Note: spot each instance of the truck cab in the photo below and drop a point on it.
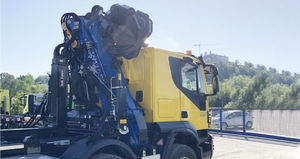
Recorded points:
(169, 86)
(31, 103)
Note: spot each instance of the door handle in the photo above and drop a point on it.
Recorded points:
(184, 114)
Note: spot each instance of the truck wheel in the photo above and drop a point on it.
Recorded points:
(180, 151)
(249, 124)
(105, 156)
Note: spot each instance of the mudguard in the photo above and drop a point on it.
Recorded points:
(83, 149)
(175, 128)
(179, 127)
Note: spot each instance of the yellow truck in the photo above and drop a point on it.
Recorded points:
(172, 89)
(110, 97)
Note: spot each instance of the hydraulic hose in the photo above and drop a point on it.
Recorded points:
(56, 52)
(31, 120)
(42, 112)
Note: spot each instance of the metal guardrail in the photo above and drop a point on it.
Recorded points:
(240, 122)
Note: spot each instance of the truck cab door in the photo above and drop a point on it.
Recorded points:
(189, 95)
(192, 99)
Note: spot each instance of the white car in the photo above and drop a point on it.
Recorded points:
(233, 119)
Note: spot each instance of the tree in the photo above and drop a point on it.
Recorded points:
(272, 70)
(39, 88)
(25, 83)
(230, 91)
(17, 104)
(246, 85)
(42, 79)
(272, 96)
(17, 87)
(9, 82)
(261, 67)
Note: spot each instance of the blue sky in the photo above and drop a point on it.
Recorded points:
(259, 31)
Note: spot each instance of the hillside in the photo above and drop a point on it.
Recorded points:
(246, 85)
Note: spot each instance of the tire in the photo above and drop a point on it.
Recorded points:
(249, 124)
(180, 151)
(105, 156)
(224, 126)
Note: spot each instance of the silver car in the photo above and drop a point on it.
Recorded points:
(233, 119)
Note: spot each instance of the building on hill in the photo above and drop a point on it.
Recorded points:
(214, 58)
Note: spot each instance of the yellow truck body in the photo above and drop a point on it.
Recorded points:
(151, 73)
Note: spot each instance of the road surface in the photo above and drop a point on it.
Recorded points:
(237, 147)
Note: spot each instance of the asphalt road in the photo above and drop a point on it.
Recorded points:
(233, 147)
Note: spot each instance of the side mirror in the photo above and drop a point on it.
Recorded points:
(212, 71)
(215, 85)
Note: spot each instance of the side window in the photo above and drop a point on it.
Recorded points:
(233, 115)
(40, 100)
(229, 116)
(188, 76)
(239, 114)
(236, 114)
(184, 76)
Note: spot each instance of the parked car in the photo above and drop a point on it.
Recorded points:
(233, 119)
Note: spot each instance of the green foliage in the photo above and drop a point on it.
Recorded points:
(256, 86)
(272, 96)
(9, 82)
(17, 104)
(21, 85)
(42, 79)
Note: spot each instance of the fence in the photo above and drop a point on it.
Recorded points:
(277, 124)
